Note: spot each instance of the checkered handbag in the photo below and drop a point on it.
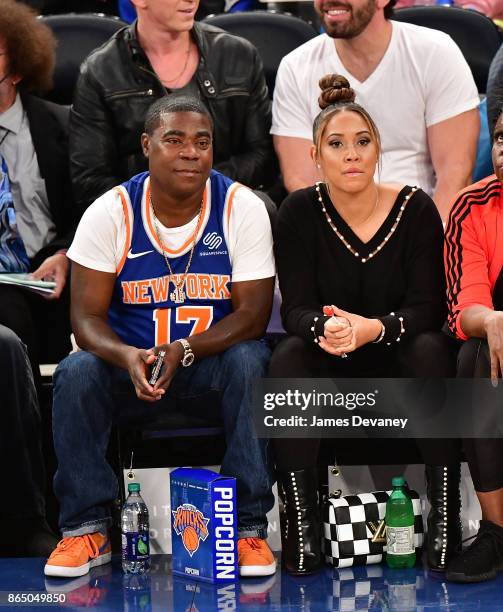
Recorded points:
(351, 524)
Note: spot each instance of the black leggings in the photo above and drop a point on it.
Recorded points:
(485, 457)
(294, 358)
(428, 355)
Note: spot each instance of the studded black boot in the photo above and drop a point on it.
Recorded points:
(443, 540)
(302, 544)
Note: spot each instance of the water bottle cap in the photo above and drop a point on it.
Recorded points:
(133, 487)
(398, 481)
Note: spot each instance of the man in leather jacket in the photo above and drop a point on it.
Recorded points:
(120, 80)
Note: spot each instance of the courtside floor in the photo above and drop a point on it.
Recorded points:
(366, 588)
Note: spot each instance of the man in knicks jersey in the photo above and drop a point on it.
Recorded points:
(178, 258)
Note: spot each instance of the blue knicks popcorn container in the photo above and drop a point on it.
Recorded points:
(203, 525)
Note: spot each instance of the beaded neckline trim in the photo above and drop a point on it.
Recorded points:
(346, 243)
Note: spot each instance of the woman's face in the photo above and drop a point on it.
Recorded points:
(347, 152)
(497, 153)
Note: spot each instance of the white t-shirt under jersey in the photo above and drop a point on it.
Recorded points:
(421, 80)
(101, 236)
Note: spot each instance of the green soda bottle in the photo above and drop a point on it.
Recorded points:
(399, 520)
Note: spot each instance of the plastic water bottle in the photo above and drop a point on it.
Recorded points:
(135, 533)
(399, 520)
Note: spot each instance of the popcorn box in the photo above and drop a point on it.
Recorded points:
(203, 525)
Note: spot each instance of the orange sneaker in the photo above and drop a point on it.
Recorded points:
(75, 556)
(255, 557)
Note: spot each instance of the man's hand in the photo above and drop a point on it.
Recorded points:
(172, 359)
(54, 268)
(494, 331)
(138, 363)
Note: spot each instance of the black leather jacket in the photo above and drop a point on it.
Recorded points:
(117, 85)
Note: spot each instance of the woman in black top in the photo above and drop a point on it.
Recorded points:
(372, 252)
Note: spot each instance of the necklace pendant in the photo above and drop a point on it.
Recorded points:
(177, 296)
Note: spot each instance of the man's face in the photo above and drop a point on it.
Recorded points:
(345, 18)
(180, 152)
(172, 15)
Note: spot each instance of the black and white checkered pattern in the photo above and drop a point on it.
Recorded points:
(352, 591)
(347, 538)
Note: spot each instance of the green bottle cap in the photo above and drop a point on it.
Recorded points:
(396, 481)
(133, 487)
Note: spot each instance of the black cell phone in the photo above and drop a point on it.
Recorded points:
(156, 368)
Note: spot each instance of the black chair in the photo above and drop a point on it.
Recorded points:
(274, 35)
(475, 34)
(181, 437)
(77, 36)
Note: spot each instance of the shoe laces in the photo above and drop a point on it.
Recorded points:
(486, 536)
(66, 544)
(255, 543)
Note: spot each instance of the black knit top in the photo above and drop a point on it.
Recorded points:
(405, 276)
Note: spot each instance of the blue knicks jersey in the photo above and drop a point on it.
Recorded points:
(143, 312)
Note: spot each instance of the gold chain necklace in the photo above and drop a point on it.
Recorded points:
(178, 295)
(345, 242)
(175, 80)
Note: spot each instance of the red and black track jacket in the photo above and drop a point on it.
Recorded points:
(473, 249)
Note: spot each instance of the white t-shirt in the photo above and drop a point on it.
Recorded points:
(421, 80)
(100, 239)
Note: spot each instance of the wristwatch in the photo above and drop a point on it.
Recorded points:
(188, 355)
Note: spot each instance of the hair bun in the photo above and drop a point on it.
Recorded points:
(335, 88)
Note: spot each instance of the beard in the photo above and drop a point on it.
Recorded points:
(354, 26)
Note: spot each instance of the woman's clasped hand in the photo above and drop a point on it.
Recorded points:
(345, 332)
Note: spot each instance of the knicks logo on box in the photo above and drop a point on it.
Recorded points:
(203, 509)
(191, 525)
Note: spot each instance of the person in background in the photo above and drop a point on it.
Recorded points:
(165, 52)
(35, 229)
(491, 8)
(414, 82)
(37, 221)
(372, 253)
(127, 12)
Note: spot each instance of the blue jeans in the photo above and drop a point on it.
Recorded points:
(85, 407)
